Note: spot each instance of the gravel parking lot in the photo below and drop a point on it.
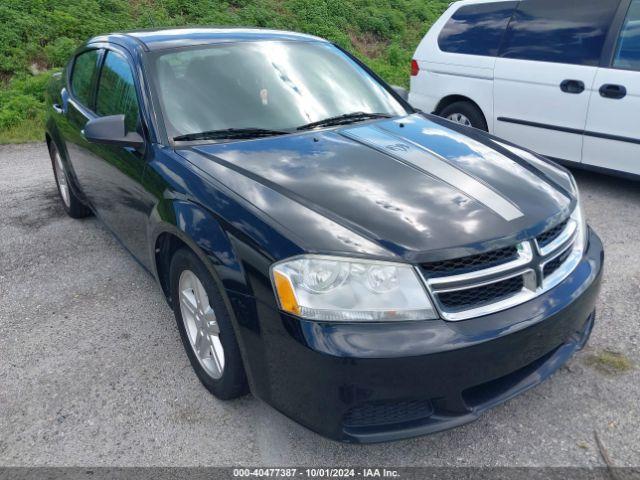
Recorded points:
(92, 371)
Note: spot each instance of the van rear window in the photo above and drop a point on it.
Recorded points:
(476, 29)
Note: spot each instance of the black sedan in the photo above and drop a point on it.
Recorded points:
(370, 271)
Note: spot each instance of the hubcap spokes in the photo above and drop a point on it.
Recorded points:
(61, 176)
(201, 324)
(460, 118)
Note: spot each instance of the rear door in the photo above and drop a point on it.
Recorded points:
(545, 72)
(76, 110)
(612, 136)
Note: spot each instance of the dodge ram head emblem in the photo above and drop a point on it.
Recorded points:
(398, 147)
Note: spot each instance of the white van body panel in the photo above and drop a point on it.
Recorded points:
(615, 117)
(531, 91)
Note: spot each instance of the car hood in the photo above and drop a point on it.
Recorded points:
(413, 186)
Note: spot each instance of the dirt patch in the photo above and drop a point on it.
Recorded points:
(609, 362)
(368, 43)
(44, 207)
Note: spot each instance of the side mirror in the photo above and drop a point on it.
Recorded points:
(404, 94)
(111, 130)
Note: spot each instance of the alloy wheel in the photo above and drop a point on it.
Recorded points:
(61, 177)
(201, 324)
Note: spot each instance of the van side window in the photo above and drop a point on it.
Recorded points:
(568, 31)
(84, 68)
(116, 91)
(628, 51)
(476, 29)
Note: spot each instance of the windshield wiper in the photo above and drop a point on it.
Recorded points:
(229, 133)
(343, 119)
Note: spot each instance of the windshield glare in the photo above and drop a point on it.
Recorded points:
(269, 85)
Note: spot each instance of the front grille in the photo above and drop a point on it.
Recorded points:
(471, 262)
(556, 263)
(550, 235)
(475, 297)
(479, 285)
(386, 413)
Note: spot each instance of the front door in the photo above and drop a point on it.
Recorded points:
(545, 71)
(612, 134)
(115, 189)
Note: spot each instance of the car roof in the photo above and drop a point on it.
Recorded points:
(160, 39)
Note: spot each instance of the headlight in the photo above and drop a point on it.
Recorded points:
(579, 217)
(339, 289)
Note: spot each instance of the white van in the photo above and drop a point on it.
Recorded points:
(561, 77)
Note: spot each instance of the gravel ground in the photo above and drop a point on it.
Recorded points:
(92, 371)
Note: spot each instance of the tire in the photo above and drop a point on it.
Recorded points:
(205, 327)
(465, 113)
(71, 203)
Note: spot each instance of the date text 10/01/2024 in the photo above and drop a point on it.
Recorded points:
(316, 472)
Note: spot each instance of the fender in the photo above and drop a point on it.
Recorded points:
(232, 237)
(199, 230)
(196, 227)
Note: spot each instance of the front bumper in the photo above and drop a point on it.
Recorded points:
(380, 382)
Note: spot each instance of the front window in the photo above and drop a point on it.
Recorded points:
(263, 85)
(117, 92)
(569, 31)
(628, 52)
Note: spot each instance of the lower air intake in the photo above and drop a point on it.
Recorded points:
(387, 413)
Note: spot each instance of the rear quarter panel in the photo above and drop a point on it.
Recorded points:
(445, 74)
(53, 96)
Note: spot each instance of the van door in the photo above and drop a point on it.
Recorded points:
(612, 136)
(545, 71)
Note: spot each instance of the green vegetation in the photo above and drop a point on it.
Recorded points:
(39, 35)
(609, 362)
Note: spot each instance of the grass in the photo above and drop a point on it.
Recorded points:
(38, 36)
(30, 130)
(609, 362)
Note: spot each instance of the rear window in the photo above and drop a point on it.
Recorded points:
(82, 74)
(568, 31)
(476, 29)
(628, 52)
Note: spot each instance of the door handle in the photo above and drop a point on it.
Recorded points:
(572, 86)
(610, 90)
(57, 108)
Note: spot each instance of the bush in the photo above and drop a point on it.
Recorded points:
(17, 108)
(59, 51)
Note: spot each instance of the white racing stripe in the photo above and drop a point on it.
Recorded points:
(429, 162)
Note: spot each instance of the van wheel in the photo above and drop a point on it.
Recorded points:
(205, 327)
(465, 113)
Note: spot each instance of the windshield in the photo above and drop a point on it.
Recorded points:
(276, 86)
